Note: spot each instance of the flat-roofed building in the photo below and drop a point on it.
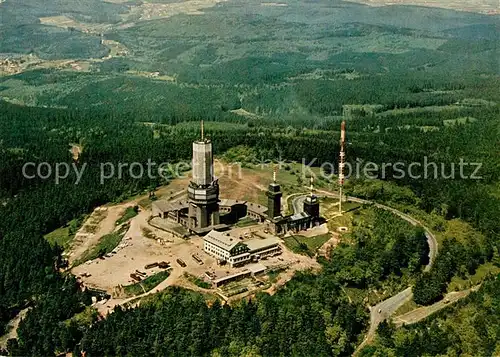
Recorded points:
(256, 269)
(170, 210)
(262, 248)
(224, 247)
(161, 208)
(256, 211)
(233, 277)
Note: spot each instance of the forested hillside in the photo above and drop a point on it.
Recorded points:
(33, 208)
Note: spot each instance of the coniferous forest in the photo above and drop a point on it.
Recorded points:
(309, 316)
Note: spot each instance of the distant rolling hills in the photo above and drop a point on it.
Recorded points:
(95, 53)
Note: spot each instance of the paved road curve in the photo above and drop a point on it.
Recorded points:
(298, 203)
(386, 308)
(383, 311)
(431, 239)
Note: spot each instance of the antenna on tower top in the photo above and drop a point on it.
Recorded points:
(275, 170)
(311, 187)
(202, 132)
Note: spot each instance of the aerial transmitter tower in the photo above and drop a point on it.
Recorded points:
(203, 190)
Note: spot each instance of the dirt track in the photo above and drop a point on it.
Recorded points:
(12, 328)
(85, 239)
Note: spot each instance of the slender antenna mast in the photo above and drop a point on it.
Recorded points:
(311, 187)
(341, 163)
(275, 170)
(202, 132)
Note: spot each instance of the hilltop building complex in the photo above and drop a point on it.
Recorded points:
(203, 213)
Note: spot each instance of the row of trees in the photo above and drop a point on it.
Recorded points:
(455, 258)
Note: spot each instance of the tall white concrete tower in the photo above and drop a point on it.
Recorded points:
(203, 190)
(203, 168)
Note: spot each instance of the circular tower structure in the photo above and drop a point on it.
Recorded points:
(203, 190)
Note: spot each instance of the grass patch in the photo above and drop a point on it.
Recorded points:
(85, 318)
(328, 201)
(355, 294)
(350, 206)
(406, 307)
(63, 236)
(374, 297)
(317, 241)
(197, 281)
(296, 246)
(245, 222)
(462, 231)
(146, 285)
(485, 270)
(237, 287)
(106, 244)
(306, 245)
(335, 222)
(129, 213)
(355, 214)
(273, 274)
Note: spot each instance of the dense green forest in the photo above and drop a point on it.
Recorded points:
(34, 207)
(382, 246)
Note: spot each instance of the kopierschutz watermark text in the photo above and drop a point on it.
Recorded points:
(425, 169)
